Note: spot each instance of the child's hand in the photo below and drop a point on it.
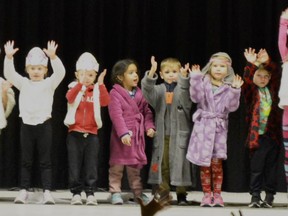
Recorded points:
(160, 201)
(237, 81)
(126, 140)
(9, 49)
(184, 71)
(51, 49)
(153, 67)
(101, 77)
(262, 56)
(195, 68)
(150, 132)
(5, 86)
(250, 55)
(284, 14)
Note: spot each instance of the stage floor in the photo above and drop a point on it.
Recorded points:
(233, 203)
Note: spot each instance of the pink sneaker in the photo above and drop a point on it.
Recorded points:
(206, 200)
(218, 200)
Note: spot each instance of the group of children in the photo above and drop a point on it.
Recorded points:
(176, 144)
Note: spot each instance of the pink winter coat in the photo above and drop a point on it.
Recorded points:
(128, 114)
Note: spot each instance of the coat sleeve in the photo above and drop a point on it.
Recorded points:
(184, 94)
(196, 88)
(233, 99)
(149, 89)
(73, 92)
(104, 96)
(248, 87)
(282, 38)
(148, 115)
(116, 114)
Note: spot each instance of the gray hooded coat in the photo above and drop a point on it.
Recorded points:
(180, 167)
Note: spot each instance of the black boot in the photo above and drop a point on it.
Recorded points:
(181, 199)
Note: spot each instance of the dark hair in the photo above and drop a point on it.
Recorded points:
(120, 67)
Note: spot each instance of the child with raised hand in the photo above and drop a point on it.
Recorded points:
(85, 97)
(35, 106)
(283, 91)
(260, 92)
(172, 105)
(131, 118)
(7, 102)
(216, 90)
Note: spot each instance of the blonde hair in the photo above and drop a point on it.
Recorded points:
(169, 62)
(227, 60)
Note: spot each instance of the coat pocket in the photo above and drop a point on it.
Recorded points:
(183, 139)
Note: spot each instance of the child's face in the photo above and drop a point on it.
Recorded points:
(130, 78)
(170, 73)
(218, 70)
(36, 72)
(261, 78)
(86, 77)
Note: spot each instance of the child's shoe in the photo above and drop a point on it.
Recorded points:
(91, 200)
(218, 200)
(268, 201)
(116, 199)
(145, 199)
(181, 200)
(76, 200)
(206, 200)
(47, 198)
(22, 197)
(255, 201)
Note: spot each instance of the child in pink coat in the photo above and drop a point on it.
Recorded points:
(131, 118)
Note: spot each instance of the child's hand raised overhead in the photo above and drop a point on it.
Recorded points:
(195, 68)
(101, 77)
(51, 49)
(250, 55)
(262, 56)
(153, 67)
(237, 81)
(9, 49)
(184, 71)
(284, 14)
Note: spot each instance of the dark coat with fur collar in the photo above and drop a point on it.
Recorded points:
(252, 99)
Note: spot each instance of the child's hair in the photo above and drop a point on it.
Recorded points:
(169, 61)
(120, 68)
(264, 68)
(226, 59)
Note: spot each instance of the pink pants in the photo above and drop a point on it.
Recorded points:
(134, 179)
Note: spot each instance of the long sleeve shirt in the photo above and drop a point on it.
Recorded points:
(35, 98)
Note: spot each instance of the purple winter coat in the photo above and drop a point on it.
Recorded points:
(128, 114)
(209, 135)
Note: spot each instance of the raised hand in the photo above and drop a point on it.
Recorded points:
(9, 49)
(184, 71)
(51, 49)
(262, 56)
(195, 68)
(153, 67)
(101, 77)
(237, 81)
(284, 14)
(250, 55)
